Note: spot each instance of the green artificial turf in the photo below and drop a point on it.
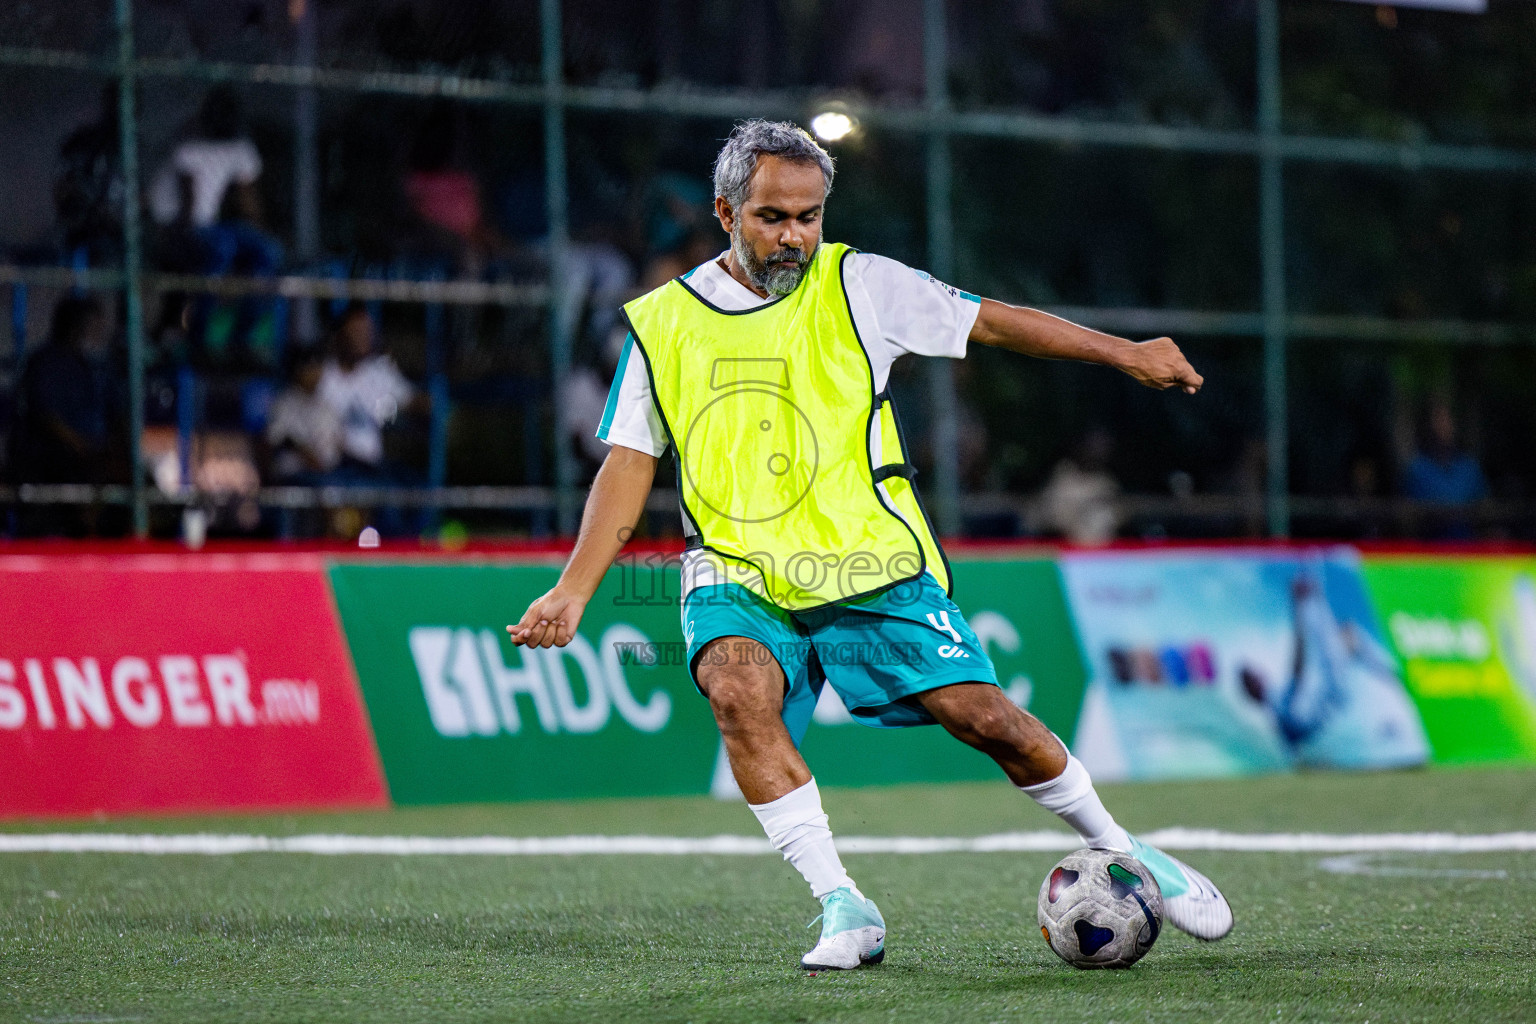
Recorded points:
(292, 937)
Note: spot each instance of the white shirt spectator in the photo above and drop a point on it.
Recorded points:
(581, 408)
(1082, 504)
(366, 398)
(303, 420)
(212, 165)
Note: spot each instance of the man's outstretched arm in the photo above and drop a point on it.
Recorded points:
(613, 508)
(1157, 363)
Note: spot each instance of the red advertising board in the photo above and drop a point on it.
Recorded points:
(177, 683)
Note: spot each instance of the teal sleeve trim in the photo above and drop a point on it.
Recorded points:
(974, 298)
(613, 392)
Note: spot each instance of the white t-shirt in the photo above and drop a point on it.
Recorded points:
(305, 421)
(581, 409)
(366, 397)
(896, 310)
(212, 165)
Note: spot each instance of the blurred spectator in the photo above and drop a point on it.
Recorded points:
(583, 397)
(599, 277)
(1249, 479)
(304, 431)
(1079, 500)
(681, 232)
(444, 196)
(1440, 471)
(88, 187)
(677, 206)
(70, 421)
(70, 418)
(366, 391)
(582, 400)
(205, 197)
(1364, 477)
(1364, 486)
(697, 247)
(972, 442)
(225, 475)
(216, 163)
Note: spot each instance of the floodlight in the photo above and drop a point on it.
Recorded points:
(832, 125)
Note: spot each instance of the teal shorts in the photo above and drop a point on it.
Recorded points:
(877, 652)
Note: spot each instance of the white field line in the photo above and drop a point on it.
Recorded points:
(732, 845)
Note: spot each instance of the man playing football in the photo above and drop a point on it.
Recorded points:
(809, 559)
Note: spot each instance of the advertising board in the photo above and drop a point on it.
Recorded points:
(169, 683)
(1226, 663)
(1465, 629)
(134, 683)
(462, 715)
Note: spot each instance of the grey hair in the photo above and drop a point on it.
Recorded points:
(750, 140)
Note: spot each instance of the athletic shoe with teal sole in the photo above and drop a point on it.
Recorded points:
(852, 933)
(1191, 902)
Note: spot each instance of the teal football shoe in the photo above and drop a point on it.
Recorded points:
(1191, 902)
(852, 933)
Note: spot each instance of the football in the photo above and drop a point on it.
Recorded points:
(1099, 908)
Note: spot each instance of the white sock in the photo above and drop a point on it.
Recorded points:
(1071, 797)
(797, 827)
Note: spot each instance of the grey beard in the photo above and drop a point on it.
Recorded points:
(782, 280)
(778, 279)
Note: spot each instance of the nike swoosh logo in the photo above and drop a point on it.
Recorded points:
(1201, 890)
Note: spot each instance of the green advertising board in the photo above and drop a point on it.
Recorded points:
(461, 715)
(1465, 630)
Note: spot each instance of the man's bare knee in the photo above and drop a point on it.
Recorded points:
(738, 698)
(742, 685)
(996, 722)
(977, 710)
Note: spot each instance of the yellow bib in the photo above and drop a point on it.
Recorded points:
(770, 412)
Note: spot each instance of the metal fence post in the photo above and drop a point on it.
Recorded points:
(1272, 261)
(306, 170)
(941, 258)
(18, 330)
(133, 310)
(560, 327)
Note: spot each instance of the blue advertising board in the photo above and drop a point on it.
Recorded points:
(1235, 662)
